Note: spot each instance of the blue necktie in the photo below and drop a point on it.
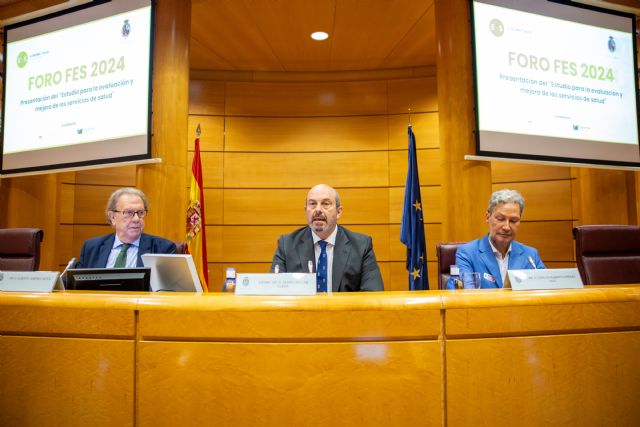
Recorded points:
(321, 271)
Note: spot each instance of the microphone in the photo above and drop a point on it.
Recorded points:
(69, 264)
(63, 276)
(533, 264)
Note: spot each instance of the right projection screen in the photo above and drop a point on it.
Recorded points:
(555, 82)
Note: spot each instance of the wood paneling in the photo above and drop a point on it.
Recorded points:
(206, 97)
(553, 239)
(306, 99)
(119, 176)
(284, 206)
(212, 133)
(544, 200)
(431, 204)
(267, 134)
(537, 379)
(258, 243)
(429, 169)
(506, 172)
(212, 169)
(297, 170)
(51, 381)
(413, 96)
(91, 202)
(425, 130)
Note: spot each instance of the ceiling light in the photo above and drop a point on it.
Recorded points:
(319, 35)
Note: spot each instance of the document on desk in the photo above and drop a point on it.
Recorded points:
(547, 278)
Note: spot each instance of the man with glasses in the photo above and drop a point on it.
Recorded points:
(126, 210)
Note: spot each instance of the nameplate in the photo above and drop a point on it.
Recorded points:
(548, 278)
(276, 284)
(29, 281)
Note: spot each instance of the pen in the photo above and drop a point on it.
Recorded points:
(533, 264)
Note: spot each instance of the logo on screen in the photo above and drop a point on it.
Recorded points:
(126, 28)
(497, 27)
(22, 59)
(611, 44)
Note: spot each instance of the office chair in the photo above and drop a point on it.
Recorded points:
(446, 253)
(20, 249)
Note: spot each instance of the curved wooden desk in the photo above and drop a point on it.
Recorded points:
(486, 357)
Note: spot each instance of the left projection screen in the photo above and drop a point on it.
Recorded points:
(77, 88)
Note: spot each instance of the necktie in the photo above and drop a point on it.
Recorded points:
(121, 260)
(321, 272)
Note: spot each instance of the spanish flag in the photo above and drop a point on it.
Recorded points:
(196, 239)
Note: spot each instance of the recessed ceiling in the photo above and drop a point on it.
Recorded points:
(273, 35)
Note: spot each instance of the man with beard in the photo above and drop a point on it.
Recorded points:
(126, 210)
(343, 260)
(497, 252)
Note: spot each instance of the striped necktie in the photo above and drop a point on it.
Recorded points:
(321, 273)
(121, 260)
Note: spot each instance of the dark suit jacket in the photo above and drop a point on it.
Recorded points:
(354, 263)
(95, 251)
(478, 256)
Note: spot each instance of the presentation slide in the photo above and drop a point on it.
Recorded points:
(85, 84)
(566, 76)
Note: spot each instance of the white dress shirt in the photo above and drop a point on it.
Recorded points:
(132, 253)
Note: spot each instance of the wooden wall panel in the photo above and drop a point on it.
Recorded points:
(431, 204)
(84, 232)
(65, 245)
(206, 97)
(212, 169)
(505, 172)
(296, 170)
(306, 99)
(120, 176)
(257, 244)
(429, 168)
(286, 206)
(553, 239)
(212, 133)
(214, 203)
(90, 203)
(67, 203)
(544, 200)
(413, 95)
(398, 251)
(305, 134)
(425, 130)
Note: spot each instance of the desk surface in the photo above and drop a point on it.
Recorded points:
(481, 357)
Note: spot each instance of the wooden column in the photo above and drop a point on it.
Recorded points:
(466, 185)
(32, 201)
(165, 184)
(605, 196)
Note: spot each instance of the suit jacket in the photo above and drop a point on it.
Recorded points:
(478, 256)
(95, 252)
(354, 263)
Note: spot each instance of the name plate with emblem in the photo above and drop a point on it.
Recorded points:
(29, 281)
(276, 284)
(548, 278)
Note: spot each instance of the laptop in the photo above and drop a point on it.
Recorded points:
(172, 273)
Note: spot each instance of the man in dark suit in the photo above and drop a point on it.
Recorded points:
(349, 259)
(126, 210)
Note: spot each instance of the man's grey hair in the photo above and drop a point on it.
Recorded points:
(501, 197)
(115, 196)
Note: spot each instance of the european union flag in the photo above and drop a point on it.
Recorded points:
(412, 229)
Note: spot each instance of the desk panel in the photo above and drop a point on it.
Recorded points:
(48, 381)
(571, 380)
(295, 384)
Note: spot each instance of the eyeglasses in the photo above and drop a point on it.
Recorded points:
(130, 214)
